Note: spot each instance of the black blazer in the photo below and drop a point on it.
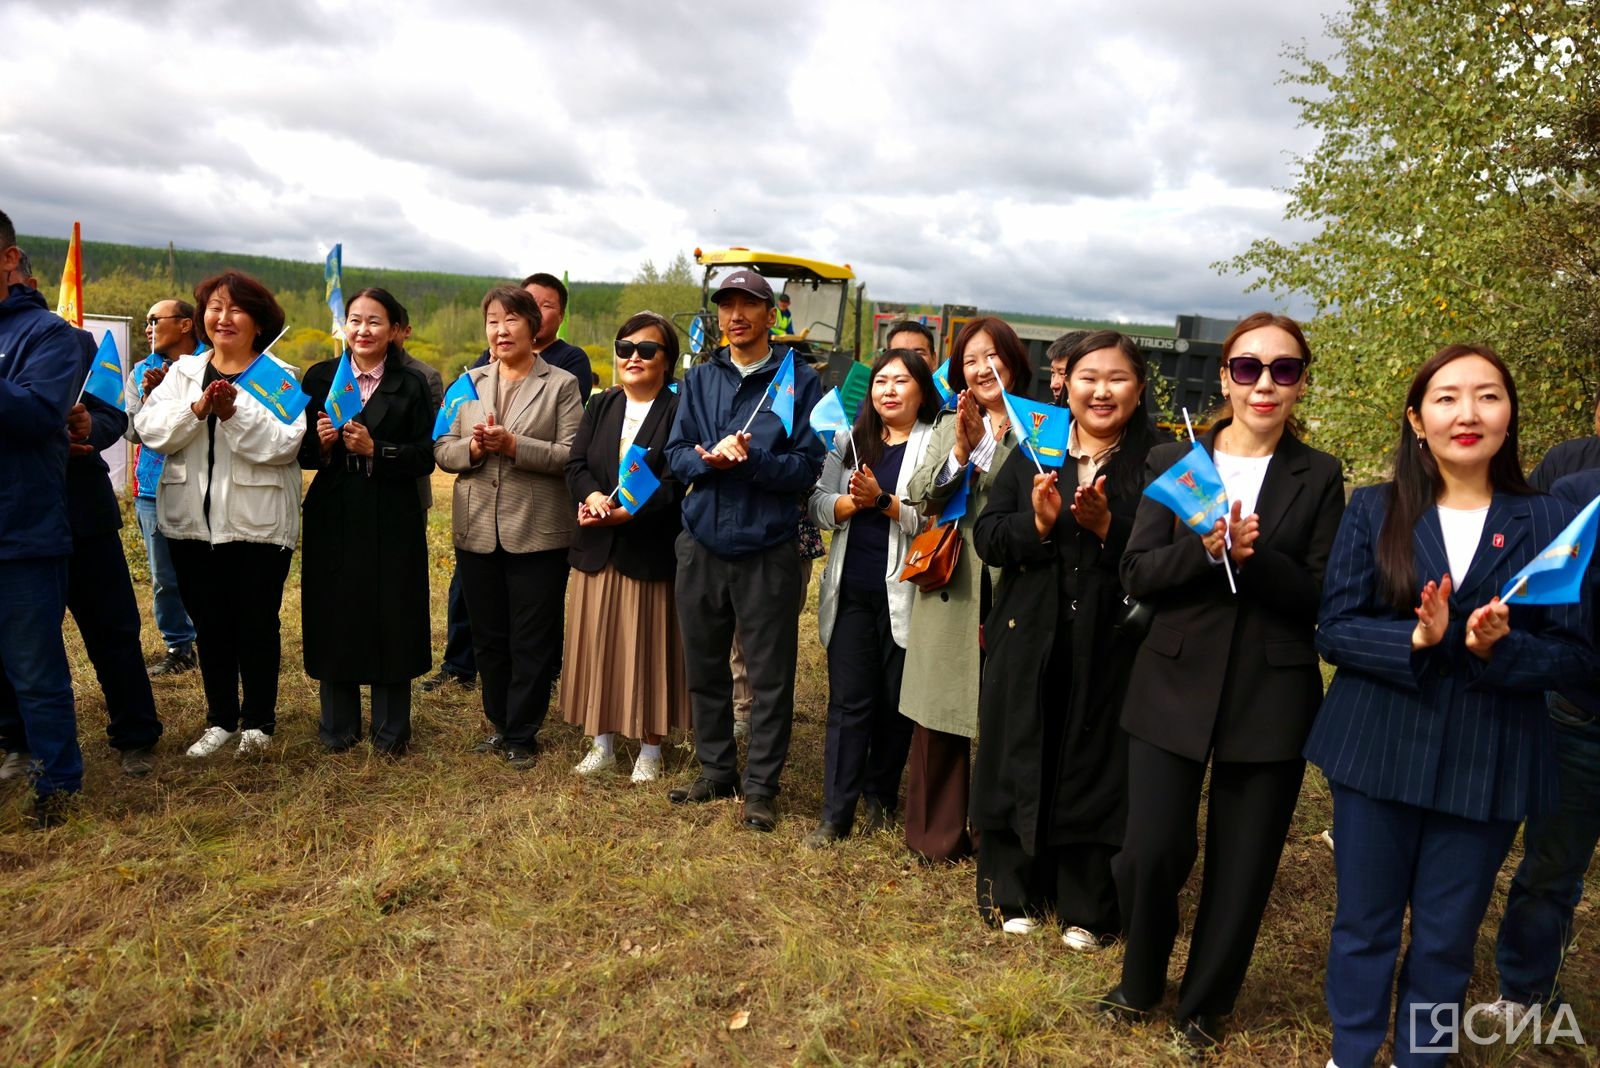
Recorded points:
(641, 548)
(1236, 676)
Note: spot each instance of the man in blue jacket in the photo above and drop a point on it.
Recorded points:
(738, 558)
(39, 376)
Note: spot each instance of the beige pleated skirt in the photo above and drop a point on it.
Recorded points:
(622, 668)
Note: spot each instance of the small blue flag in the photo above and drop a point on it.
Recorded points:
(333, 287)
(828, 416)
(1193, 489)
(781, 393)
(270, 384)
(635, 481)
(1555, 576)
(941, 381)
(344, 396)
(1041, 429)
(697, 334)
(956, 506)
(460, 391)
(105, 377)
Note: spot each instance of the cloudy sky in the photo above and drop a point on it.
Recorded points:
(1087, 158)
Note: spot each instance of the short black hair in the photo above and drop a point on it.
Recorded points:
(549, 281)
(902, 326)
(24, 263)
(1062, 346)
(8, 233)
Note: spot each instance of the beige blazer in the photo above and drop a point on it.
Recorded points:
(517, 503)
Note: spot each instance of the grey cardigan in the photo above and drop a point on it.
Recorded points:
(835, 483)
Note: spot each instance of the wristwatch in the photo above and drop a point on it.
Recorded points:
(883, 502)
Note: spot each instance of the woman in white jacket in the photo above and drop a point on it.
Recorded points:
(229, 505)
(864, 611)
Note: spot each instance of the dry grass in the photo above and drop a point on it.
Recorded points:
(310, 909)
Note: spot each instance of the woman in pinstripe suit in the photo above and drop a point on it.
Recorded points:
(1433, 734)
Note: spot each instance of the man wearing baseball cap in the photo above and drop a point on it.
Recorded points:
(738, 558)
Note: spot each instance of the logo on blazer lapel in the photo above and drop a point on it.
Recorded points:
(1498, 541)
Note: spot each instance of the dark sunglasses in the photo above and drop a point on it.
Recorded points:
(1285, 371)
(647, 350)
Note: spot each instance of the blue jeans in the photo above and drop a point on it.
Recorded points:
(1556, 851)
(171, 620)
(38, 699)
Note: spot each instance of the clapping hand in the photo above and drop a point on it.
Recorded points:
(729, 452)
(1433, 614)
(1090, 507)
(1046, 503)
(1486, 625)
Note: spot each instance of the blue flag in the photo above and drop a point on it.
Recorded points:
(1041, 429)
(635, 481)
(344, 396)
(941, 381)
(271, 385)
(1555, 576)
(781, 393)
(333, 287)
(105, 376)
(956, 506)
(460, 391)
(1193, 489)
(697, 334)
(828, 416)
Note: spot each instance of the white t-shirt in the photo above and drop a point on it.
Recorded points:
(1242, 476)
(1462, 528)
(632, 418)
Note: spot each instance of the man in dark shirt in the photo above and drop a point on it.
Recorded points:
(1568, 458)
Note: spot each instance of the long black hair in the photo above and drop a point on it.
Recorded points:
(869, 426)
(1125, 470)
(1417, 483)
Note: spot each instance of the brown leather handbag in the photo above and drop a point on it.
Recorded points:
(931, 559)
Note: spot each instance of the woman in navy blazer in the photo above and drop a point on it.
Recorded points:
(1433, 734)
(1226, 679)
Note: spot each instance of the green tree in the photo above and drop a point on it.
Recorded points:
(674, 292)
(1454, 191)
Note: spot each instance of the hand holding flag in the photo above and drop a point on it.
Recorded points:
(1555, 576)
(344, 396)
(636, 483)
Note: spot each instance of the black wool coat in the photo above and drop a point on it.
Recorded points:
(364, 548)
(1052, 761)
(641, 548)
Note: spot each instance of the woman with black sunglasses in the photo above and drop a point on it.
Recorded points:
(1224, 678)
(623, 668)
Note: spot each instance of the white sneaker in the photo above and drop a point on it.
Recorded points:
(15, 765)
(1506, 1012)
(595, 761)
(253, 741)
(1080, 940)
(646, 768)
(213, 739)
(1020, 925)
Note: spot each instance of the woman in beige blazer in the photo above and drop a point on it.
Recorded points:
(513, 520)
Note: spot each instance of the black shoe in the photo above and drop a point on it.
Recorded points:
(702, 791)
(760, 813)
(826, 834)
(176, 662)
(445, 678)
(335, 748)
(51, 810)
(495, 745)
(1200, 1032)
(139, 762)
(522, 757)
(876, 816)
(1116, 1007)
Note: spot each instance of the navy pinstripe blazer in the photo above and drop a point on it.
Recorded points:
(1440, 728)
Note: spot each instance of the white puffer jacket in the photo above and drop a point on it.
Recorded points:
(254, 478)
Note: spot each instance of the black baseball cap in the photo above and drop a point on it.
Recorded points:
(745, 281)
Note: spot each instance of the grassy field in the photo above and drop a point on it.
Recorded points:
(313, 909)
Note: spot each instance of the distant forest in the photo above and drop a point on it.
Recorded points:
(125, 280)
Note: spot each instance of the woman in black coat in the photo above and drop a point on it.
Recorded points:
(1223, 678)
(622, 672)
(1049, 781)
(364, 569)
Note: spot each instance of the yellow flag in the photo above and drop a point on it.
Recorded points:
(69, 304)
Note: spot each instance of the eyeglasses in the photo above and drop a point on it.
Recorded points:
(154, 319)
(647, 350)
(1285, 371)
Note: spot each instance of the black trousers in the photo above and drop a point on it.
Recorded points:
(1249, 813)
(868, 738)
(1073, 880)
(101, 599)
(340, 726)
(232, 593)
(759, 595)
(517, 605)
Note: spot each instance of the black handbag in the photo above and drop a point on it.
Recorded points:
(1133, 619)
